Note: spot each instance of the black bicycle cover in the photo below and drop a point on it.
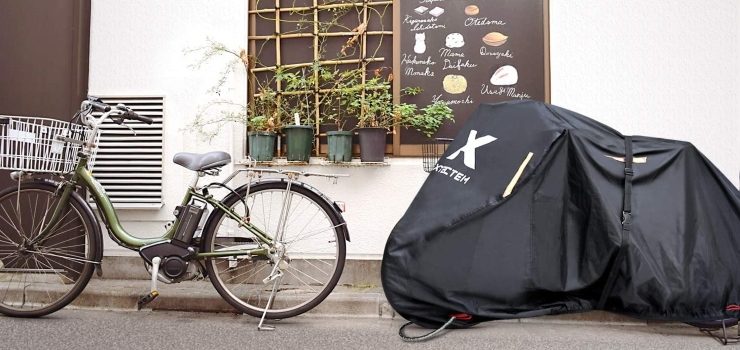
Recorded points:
(534, 210)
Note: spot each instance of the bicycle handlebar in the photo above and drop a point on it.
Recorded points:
(135, 116)
(128, 113)
(118, 114)
(96, 103)
(121, 111)
(99, 106)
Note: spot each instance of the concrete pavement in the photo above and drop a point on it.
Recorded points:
(92, 329)
(200, 296)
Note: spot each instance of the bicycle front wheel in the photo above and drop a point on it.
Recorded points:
(39, 278)
(311, 246)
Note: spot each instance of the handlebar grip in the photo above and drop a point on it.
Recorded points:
(99, 106)
(135, 116)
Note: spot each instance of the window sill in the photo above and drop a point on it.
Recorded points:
(320, 161)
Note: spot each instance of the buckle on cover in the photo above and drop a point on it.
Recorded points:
(629, 172)
(626, 217)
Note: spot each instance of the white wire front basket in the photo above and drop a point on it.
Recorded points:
(42, 145)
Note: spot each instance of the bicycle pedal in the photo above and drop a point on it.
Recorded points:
(146, 299)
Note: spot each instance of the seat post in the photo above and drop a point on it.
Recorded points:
(198, 175)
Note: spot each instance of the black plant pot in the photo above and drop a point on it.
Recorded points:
(372, 144)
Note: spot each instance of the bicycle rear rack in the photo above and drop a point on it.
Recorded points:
(291, 174)
(432, 150)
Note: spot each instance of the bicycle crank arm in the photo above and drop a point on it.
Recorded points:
(153, 294)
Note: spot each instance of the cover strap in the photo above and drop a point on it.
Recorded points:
(628, 174)
(626, 222)
(430, 335)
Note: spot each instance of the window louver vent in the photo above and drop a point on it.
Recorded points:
(130, 166)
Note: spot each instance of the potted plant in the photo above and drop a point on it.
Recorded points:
(374, 110)
(262, 115)
(262, 123)
(344, 89)
(378, 114)
(300, 132)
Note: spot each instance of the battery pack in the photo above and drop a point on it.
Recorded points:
(188, 218)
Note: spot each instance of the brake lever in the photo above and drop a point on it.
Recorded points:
(122, 121)
(130, 128)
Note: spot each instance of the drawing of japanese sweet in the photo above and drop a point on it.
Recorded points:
(455, 84)
(454, 40)
(437, 11)
(421, 9)
(495, 39)
(505, 75)
(420, 46)
(472, 10)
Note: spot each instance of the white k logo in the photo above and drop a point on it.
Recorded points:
(469, 148)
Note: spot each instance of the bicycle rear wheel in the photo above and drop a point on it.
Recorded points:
(38, 279)
(313, 242)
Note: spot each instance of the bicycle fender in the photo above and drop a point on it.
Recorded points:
(334, 207)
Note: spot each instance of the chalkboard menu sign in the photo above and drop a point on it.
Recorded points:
(467, 52)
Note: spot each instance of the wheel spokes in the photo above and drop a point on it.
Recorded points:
(36, 276)
(310, 258)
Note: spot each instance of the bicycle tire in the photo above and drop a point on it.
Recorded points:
(254, 305)
(70, 262)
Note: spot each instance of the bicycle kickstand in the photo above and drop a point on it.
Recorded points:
(153, 294)
(276, 278)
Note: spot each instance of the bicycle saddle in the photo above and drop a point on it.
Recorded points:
(203, 161)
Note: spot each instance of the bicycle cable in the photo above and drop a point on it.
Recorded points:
(219, 184)
(424, 337)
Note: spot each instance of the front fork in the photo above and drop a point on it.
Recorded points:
(66, 189)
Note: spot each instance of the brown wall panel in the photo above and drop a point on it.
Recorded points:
(44, 47)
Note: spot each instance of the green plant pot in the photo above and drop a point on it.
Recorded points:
(261, 145)
(340, 145)
(299, 142)
(372, 144)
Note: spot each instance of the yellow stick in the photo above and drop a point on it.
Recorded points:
(518, 174)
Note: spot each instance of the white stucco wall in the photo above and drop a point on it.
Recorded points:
(669, 69)
(138, 47)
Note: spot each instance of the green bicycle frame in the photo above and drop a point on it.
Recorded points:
(83, 177)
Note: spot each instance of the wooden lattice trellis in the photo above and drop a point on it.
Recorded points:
(278, 12)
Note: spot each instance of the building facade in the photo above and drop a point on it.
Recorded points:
(675, 62)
